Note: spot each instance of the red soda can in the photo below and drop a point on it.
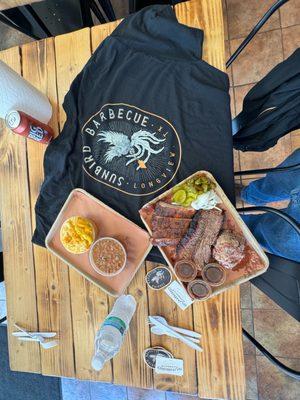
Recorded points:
(29, 127)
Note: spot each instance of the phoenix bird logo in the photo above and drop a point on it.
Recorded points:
(137, 148)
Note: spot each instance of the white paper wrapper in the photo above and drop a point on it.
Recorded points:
(18, 94)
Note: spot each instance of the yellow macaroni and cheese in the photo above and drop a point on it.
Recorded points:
(77, 234)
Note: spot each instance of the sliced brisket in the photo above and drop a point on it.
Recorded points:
(201, 235)
(188, 243)
(213, 224)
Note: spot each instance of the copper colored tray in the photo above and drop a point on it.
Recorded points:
(109, 223)
(255, 261)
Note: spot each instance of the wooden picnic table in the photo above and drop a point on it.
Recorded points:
(44, 294)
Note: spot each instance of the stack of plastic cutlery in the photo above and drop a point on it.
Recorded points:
(160, 326)
(40, 337)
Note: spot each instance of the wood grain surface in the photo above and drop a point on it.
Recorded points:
(161, 304)
(207, 15)
(51, 297)
(128, 366)
(52, 279)
(16, 232)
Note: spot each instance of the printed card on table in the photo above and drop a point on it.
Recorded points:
(179, 295)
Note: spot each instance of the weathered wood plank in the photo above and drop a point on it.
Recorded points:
(72, 52)
(89, 303)
(52, 279)
(161, 304)
(100, 32)
(221, 365)
(215, 380)
(89, 308)
(207, 15)
(128, 366)
(17, 247)
(233, 345)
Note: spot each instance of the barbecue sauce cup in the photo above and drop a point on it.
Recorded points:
(214, 274)
(199, 289)
(185, 270)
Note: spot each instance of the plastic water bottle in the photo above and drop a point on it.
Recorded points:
(109, 337)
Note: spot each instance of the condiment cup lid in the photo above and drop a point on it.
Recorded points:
(179, 270)
(218, 274)
(202, 287)
(92, 259)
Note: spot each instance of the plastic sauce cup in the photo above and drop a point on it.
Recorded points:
(214, 274)
(186, 270)
(199, 290)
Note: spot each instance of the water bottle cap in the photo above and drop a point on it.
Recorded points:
(131, 299)
(98, 362)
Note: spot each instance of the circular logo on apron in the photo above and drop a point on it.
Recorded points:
(130, 150)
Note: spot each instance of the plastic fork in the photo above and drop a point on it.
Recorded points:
(158, 331)
(172, 333)
(38, 338)
(185, 332)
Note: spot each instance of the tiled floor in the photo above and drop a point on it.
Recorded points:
(83, 390)
(278, 332)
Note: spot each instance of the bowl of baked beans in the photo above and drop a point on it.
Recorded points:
(108, 256)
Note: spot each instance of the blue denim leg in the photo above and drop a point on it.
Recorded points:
(275, 234)
(274, 186)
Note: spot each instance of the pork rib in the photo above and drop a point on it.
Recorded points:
(229, 249)
(169, 227)
(170, 210)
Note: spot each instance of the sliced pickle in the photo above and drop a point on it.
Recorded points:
(185, 193)
(179, 196)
